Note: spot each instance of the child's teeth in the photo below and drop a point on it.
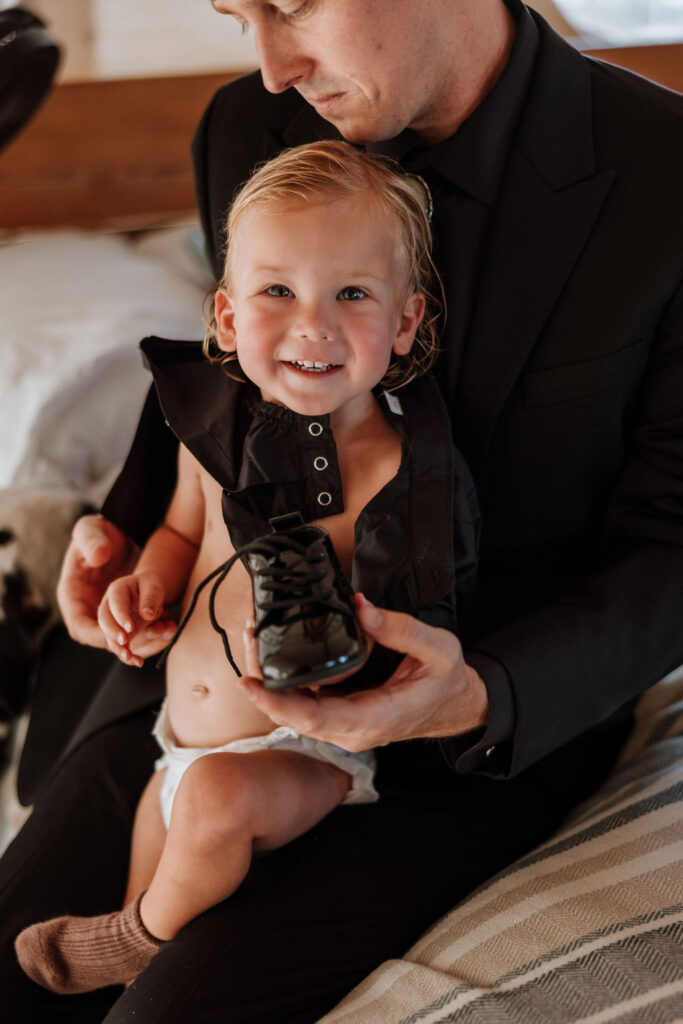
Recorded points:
(310, 364)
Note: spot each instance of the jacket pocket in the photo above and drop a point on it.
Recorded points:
(589, 377)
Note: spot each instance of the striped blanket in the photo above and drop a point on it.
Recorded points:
(587, 928)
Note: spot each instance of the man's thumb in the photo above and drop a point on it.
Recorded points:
(395, 630)
(97, 553)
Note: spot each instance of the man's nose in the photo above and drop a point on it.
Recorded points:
(281, 64)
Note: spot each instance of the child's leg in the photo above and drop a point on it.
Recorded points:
(149, 836)
(76, 954)
(227, 806)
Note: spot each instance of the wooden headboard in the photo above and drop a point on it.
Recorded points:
(107, 153)
(116, 153)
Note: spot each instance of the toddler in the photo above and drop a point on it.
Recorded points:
(323, 316)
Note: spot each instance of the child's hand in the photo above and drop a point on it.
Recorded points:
(133, 619)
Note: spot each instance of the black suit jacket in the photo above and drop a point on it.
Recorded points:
(569, 407)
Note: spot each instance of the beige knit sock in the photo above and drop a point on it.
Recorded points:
(78, 954)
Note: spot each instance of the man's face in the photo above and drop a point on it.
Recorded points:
(371, 67)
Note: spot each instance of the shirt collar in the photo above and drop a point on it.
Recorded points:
(475, 156)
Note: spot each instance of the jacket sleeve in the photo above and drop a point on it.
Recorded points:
(200, 162)
(141, 493)
(573, 662)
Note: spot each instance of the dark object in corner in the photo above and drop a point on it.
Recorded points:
(28, 61)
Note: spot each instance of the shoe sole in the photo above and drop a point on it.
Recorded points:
(330, 675)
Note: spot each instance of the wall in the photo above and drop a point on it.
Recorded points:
(140, 38)
(110, 39)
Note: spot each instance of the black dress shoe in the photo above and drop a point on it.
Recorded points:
(307, 630)
(306, 625)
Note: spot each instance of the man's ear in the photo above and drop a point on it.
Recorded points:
(411, 318)
(225, 321)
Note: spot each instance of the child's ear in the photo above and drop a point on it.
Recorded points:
(225, 321)
(411, 318)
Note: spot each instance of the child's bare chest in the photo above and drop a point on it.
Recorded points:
(364, 469)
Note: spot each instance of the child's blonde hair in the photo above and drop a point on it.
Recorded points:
(324, 171)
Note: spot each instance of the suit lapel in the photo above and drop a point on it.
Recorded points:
(549, 202)
(537, 239)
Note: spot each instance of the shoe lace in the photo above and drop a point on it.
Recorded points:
(292, 584)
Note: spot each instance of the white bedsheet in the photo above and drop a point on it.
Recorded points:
(73, 307)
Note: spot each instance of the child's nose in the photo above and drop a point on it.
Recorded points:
(313, 325)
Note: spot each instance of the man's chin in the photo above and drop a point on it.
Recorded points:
(359, 127)
(360, 132)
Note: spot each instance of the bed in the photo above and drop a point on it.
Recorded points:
(75, 305)
(99, 246)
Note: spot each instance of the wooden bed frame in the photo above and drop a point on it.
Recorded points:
(107, 154)
(115, 154)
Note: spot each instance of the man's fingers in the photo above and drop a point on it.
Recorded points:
(250, 651)
(333, 719)
(295, 708)
(404, 633)
(92, 543)
(84, 628)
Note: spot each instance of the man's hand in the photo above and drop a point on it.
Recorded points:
(98, 553)
(432, 692)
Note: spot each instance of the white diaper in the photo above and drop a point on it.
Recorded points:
(176, 760)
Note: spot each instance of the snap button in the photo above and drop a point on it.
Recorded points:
(315, 429)
(490, 751)
(320, 462)
(324, 498)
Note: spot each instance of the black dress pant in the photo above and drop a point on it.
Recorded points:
(310, 920)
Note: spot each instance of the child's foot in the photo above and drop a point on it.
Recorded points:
(78, 954)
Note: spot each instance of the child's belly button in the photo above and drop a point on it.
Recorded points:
(199, 690)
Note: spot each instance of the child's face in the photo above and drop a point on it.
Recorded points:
(316, 304)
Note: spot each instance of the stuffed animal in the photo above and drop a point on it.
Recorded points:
(35, 527)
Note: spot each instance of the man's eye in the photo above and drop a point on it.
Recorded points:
(243, 24)
(279, 291)
(351, 293)
(297, 11)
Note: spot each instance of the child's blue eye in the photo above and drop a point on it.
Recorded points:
(352, 293)
(280, 291)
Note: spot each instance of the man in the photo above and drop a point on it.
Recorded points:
(558, 220)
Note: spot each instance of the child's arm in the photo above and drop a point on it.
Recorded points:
(171, 551)
(135, 604)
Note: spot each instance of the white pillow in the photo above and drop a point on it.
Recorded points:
(74, 307)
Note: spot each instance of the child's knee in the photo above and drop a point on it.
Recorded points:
(213, 800)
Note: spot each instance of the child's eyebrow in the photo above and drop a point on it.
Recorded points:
(267, 268)
(347, 275)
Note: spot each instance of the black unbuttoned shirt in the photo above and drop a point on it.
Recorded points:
(464, 174)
